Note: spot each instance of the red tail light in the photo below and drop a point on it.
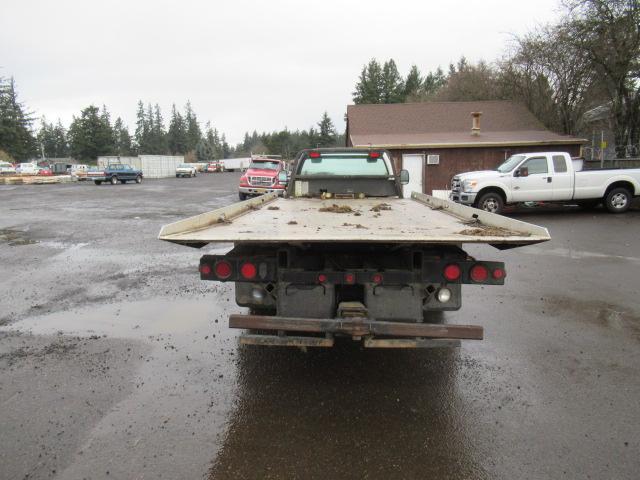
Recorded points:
(374, 154)
(479, 273)
(205, 269)
(314, 154)
(322, 278)
(452, 272)
(248, 270)
(349, 278)
(223, 269)
(499, 274)
(377, 278)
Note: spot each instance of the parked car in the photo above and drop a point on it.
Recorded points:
(7, 168)
(27, 169)
(45, 171)
(215, 166)
(546, 177)
(262, 177)
(184, 170)
(114, 173)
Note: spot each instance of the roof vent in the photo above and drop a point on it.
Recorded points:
(475, 123)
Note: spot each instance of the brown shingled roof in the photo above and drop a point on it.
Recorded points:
(441, 124)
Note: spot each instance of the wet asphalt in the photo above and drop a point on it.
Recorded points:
(116, 362)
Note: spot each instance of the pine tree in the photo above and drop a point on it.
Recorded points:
(413, 84)
(123, 145)
(433, 82)
(142, 130)
(327, 135)
(177, 133)
(193, 128)
(16, 136)
(392, 84)
(87, 139)
(369, 88)
(158, 135)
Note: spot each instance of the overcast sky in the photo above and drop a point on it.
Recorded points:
(244, 65)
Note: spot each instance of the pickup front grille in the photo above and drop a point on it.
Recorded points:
(456, 184)
(260, 181)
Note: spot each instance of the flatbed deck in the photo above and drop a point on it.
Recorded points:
(420, 219)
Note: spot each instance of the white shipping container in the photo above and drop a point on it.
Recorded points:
(235, 164)
(152, 166)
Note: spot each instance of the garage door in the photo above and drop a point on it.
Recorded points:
(415, 165)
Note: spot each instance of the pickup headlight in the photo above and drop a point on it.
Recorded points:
(469, 185)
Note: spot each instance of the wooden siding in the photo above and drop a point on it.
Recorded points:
(459, 160)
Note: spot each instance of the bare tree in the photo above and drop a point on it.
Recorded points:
(609, 32)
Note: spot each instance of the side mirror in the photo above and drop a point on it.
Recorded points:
(404, 177)
(522, 172)
(283, 178)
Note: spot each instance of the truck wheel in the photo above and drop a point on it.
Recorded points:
(618, 200)
(491, 202)
(138, 179)
(114, 180)
(97, 182)
(242, 196)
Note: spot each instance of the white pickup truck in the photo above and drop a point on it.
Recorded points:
(546, 177)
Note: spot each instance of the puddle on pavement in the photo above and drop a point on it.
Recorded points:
(15, 237)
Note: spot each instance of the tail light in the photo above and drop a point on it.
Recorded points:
(498, 274)
(322, 278)
(452, 272)
(377, 278)
(479, 273)
(314, 154)
(205, 269)
(223, 269)
(349, 278)
(248, 270)
(374, 155)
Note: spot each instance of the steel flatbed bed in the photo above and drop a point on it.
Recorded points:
(420, 219)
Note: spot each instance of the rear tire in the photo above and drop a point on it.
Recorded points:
(618, 200)
(114, 180)
(491, 202)
(138, 179)
(242, 196)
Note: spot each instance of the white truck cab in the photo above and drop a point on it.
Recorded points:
(545, 177)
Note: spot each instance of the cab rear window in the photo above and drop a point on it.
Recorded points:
(348, 165)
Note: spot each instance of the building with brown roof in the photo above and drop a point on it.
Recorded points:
(436, 140)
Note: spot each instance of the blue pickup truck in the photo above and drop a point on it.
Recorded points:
(114, 173)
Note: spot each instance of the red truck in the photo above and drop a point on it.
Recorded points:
(262, 177)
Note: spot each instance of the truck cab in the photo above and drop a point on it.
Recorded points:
(262, 177)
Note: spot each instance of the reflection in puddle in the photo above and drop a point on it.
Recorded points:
(348, 413)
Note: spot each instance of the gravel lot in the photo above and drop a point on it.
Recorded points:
(116, 362)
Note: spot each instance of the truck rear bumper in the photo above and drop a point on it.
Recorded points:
(403, 335)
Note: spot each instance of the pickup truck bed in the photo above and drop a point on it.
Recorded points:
(420, 219)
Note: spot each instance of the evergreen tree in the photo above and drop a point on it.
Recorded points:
(392, 84)
(61, 143)
(143, 129)
(177, 133)
(369, 88)
(159, 142)
(16, 137)
(123, 145)
(87, 139)
(193, 128)
(224, 147)
(433, 82)
(413, 84)
(327, 136)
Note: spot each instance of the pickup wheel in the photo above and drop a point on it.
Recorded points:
(242, 196)
(618, 200)
(491, 202)
(138, 179)
(97, 182)
(114, 180)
